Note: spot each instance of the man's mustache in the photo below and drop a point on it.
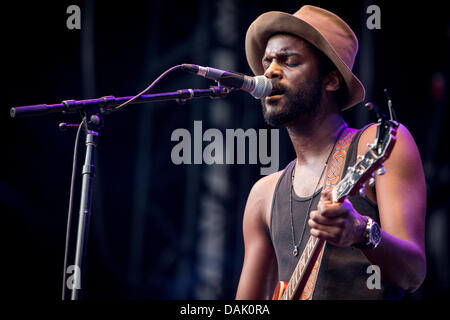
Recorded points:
(277, 87)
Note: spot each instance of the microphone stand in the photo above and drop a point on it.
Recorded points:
(92, 129)
(94, 110)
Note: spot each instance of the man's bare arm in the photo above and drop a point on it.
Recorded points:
(401, 198)
(259, 271)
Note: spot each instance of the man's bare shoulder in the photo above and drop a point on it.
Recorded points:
(266, 183)
(261, 195)
(403, 167)
(404, 138)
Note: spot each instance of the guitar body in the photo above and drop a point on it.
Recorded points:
(279, 290)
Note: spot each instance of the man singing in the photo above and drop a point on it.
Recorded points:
(309, 57)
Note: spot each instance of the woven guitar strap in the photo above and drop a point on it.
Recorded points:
(334, 172)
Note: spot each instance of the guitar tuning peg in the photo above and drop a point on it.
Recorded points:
(372, 181)
(362, 191)
(381, 170)
(359, 157)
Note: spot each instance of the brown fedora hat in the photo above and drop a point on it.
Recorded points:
(322, 28)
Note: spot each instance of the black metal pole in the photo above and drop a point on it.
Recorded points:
(88, 174)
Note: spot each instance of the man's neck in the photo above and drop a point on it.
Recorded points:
(313, 136)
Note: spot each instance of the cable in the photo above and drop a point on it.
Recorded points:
(70, 210)
(147, 89)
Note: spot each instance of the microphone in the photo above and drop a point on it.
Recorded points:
(259, 86)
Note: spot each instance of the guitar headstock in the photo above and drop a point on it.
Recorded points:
(370, 162)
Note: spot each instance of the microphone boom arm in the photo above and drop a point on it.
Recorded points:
(108, 103)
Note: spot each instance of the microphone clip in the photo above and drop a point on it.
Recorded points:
(220, 91)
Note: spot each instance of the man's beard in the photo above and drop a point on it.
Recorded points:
(297, 104)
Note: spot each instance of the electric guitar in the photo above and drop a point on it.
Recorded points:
(353, 181)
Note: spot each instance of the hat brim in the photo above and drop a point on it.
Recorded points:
(274, 22)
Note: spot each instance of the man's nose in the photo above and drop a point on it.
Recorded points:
(273, 71)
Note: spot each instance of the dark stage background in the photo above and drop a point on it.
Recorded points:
(166, 231)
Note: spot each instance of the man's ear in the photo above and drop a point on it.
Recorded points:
(332, 81)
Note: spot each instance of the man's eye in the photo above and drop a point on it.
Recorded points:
(266, 63)
(290, 63)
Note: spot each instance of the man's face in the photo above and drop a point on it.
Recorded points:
(297, 86)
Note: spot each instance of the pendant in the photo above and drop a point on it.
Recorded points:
(295, 252)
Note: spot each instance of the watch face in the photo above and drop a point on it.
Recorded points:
(375, 233)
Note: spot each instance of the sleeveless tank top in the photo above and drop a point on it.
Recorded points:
(343, 272)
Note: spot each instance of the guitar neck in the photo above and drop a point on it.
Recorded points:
(303, 269)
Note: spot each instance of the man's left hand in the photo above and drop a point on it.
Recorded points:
(338, 223)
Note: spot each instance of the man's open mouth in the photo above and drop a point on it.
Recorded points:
(276, 92)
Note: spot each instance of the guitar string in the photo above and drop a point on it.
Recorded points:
(295, 251)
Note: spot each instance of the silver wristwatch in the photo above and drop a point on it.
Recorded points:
(372, 234)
